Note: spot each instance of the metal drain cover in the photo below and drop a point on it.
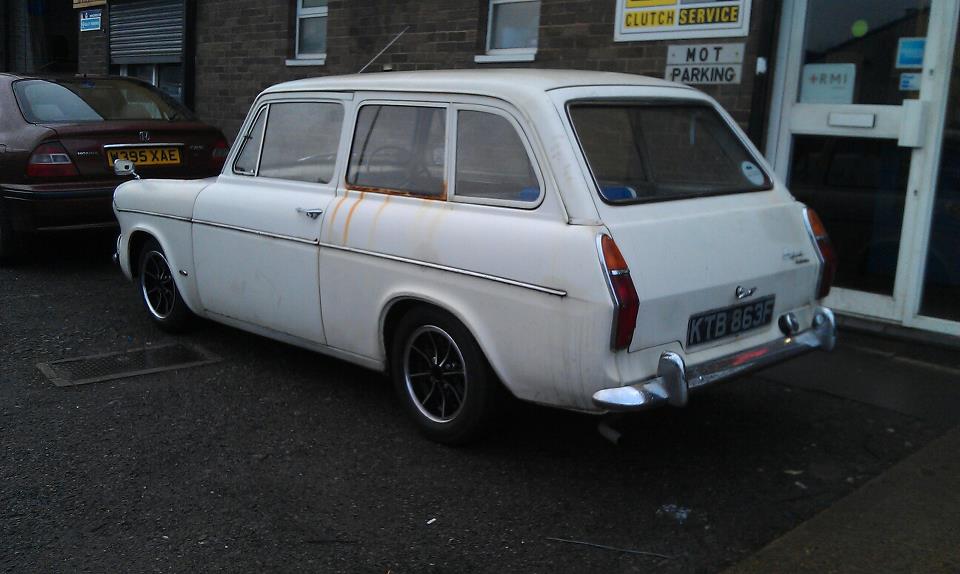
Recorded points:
(108, 366)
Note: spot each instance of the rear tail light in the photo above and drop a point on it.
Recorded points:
(219, 154)
(51, 160)
(828, 255)
(625, 298)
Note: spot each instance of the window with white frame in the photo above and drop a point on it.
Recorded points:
(512, 31)
(311, 40)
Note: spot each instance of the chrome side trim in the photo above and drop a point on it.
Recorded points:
(675, 380)
(155, 214)
(257, 232)
(504, 280)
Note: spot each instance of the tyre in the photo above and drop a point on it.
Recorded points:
(159, 292)
(442, 377)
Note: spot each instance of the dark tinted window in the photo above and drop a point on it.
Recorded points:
(399, 148)
(492, 162)
(653, 152)
(301, 141)
(91, 100)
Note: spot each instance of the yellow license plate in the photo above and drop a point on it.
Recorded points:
(146, 155)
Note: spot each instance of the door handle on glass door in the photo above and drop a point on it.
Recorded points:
(311, 213)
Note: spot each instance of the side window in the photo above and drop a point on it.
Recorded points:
(492, 162)
(301, 141)
(399, 148)
(246, 162)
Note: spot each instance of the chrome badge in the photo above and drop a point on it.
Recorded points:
(144, 136)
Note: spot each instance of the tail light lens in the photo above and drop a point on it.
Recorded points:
(51, 160)
(626, 300)
(828, 255)
(219, 154)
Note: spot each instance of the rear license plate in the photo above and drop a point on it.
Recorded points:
(729, 321)
(145, 155)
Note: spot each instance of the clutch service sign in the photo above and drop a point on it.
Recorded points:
(639, 20)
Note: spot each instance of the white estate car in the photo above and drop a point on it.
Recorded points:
(591, 241)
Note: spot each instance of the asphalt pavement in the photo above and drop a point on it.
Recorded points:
(279, 459)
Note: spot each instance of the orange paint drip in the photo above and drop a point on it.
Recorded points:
(353, 208)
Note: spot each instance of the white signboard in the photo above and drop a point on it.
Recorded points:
(639, 20)
(705, 63)
(828, 83)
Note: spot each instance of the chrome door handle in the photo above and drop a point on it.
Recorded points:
(311, 213)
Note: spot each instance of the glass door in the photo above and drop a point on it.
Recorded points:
(854, 84)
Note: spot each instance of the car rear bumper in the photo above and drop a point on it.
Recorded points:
(32, 210)
(675, 380)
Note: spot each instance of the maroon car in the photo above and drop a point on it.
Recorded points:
(60, 136)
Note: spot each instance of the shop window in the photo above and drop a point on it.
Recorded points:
(311, 33)
(167, 77)
(513, 30)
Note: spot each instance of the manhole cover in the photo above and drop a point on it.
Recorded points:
(107, 366)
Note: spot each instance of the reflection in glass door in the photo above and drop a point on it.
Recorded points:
(941, 283)
(849, 69)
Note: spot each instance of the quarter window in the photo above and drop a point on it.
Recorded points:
(301, 141)
(246, 163)
(311, 29)
(492, 162)
(399, 148)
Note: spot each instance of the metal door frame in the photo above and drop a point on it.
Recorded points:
(903, 306)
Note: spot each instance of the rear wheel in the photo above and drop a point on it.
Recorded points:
(158, 290)
(442, 377)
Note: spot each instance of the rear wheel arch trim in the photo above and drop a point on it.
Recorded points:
(389, 320)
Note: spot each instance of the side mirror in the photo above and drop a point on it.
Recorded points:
(124, 167)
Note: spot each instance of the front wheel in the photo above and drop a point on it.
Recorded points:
(159, 292)
(442, 377)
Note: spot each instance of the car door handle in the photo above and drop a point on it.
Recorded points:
(311, 213)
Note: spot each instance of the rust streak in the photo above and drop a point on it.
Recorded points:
(385, 191)
(376, 217)
(353, 208)
(333, 216)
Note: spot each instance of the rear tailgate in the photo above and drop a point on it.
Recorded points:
(690, 257)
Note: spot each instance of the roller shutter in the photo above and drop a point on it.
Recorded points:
(146, 31)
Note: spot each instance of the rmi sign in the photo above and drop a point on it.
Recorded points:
(705, 63)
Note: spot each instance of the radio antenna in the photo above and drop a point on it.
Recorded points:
(385, 48)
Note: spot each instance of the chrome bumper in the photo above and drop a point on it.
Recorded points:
(675, 380)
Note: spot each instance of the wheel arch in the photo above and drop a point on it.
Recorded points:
(400, 305)
(177, 252)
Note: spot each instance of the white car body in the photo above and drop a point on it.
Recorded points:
(528, 283)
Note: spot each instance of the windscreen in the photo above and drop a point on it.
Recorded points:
(92, 100)
(642, 151)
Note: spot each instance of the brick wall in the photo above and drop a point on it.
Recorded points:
(94, 57)
(242, 45)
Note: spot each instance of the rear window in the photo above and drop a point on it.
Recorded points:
(640, 152)
(93, 100)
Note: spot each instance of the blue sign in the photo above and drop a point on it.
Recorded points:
(910, 52)
(90, 20)
(910, 82)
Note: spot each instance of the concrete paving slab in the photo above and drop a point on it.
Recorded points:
(905, 520)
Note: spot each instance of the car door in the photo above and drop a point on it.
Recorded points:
(256, 230)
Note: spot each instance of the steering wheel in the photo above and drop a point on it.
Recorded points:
(399, 157)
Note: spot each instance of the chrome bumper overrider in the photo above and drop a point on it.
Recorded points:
(675, 380)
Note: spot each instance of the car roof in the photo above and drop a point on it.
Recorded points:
(503, 83)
